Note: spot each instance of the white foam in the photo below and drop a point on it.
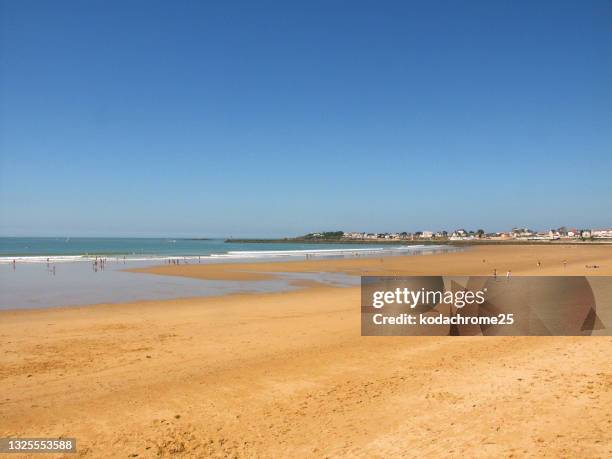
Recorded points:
(43, 259)
(234, 254)
(314, 252)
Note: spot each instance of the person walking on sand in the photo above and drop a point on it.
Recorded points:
(539, 264)
(494, 273)
(508, 275)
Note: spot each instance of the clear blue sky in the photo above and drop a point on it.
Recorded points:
(278, 118)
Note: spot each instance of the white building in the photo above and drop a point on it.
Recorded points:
(604, 233)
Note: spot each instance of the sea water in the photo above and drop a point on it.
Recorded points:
(46, 272)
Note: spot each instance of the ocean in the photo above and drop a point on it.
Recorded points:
(39, 249)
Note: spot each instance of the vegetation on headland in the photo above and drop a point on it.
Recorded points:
(304, 240)
(327, 235)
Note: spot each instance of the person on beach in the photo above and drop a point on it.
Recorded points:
(539, 264)
(564, 264)
(508, 275)
(495, 273)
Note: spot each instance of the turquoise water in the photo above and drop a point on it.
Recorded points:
(73, 249)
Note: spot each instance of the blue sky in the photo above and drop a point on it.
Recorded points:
(146, 118)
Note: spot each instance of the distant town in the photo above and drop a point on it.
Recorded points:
(516, 234)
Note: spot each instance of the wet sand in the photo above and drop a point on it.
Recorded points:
(288, 375)
(471, 261)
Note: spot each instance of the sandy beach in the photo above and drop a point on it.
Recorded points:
(288, 375)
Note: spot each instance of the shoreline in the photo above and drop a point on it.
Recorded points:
(266, 275)
(322, 251)
(464, 262)
(378, 244)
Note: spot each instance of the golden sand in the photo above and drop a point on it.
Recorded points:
(288, 374)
